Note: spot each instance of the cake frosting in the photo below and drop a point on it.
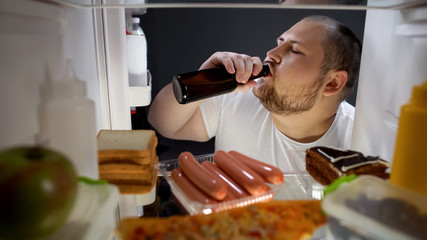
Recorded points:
(347, 160)
(325, 164)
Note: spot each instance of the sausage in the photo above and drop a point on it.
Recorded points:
(270, 173)
(189, 189)
(242, 174)
(233, 188)
(208, 182)
(230, 195)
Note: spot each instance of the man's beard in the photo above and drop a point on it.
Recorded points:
(295, 100)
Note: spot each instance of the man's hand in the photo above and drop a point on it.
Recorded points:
(242, 65)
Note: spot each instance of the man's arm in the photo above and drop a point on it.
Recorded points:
(174, 120)
(184, 121)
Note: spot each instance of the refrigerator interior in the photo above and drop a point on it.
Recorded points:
(37, 37)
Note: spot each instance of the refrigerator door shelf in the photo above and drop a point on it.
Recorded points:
(93, 215)
(140, 96)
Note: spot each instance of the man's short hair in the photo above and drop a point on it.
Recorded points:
(342, 51)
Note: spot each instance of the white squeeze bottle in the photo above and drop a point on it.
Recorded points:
(136, 53)
(71, 126)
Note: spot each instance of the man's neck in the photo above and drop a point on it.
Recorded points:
(307, 126)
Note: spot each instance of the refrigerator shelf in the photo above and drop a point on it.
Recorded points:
(281, 4)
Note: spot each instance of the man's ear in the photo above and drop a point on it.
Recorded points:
(336, 80)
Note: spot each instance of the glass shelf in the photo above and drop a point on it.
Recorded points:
(265, 4)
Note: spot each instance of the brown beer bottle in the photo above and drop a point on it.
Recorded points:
(201, 84)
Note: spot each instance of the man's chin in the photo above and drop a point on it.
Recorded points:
(256, 89)
(260, 82)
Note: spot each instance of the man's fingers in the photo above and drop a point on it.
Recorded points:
(242, 65)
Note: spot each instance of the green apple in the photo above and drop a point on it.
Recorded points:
(37, 191)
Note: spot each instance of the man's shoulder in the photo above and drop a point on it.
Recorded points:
(346, 110)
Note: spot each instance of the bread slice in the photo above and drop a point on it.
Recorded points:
(136, 145)
(131, 178)
(125, 168)
(128, 173)
(117, 166)
(142, 161)
(138, 188)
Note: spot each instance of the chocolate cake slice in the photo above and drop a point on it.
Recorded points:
(325, 164)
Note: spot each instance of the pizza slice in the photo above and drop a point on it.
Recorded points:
(282, 220)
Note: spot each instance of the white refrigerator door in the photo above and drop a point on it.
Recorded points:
(37, 38)
(31, 38)
(394, 59)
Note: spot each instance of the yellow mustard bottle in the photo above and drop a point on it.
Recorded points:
(409, 167)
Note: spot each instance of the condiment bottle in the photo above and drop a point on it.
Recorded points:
(71, 125)
(409, 167)
(136, 53)
(201, 84)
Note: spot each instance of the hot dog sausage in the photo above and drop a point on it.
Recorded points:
(208, 182)
(242, 174)
(189, 189)
(233, 188)
(229, 197)
(270, 173)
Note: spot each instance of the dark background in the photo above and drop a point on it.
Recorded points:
(180, 40)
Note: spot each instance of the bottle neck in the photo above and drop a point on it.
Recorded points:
(135, 29)
(419, 95)
(264, 72)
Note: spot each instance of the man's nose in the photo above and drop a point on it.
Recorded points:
(274, 54)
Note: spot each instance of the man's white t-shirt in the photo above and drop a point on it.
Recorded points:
(239, 121)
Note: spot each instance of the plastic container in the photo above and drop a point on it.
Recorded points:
(93, 216)
(299, 184)
(372, 208)
(193, 207)
(410, 154)
(71, 126)
(296, 186)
